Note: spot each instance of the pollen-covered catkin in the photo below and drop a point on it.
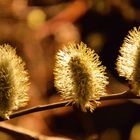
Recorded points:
(79, 76)
(128, 62)
(14, 82)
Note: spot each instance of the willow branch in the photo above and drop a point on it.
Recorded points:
(67, 15)
(40, 108)
(21, 133)
(123, 95)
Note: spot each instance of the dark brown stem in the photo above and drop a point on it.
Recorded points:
(17, 132)
(123, 95)
(37, 109)
(40, 108)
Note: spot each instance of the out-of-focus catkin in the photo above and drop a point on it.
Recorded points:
(128, 62)
(14, 81)
(79, 76)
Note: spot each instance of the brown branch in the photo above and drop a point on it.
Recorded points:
(71, 14)
(20, 133)
(123, 95)
(40, 108)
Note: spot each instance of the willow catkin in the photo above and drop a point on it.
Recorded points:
(13, 81)
(79, 75)
(128, 62)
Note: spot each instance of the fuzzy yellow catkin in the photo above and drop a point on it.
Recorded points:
(79, 76)
(14, 81)
(128, 62)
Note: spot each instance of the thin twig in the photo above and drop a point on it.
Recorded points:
(17, 132)
(40, 108)
(123, 95)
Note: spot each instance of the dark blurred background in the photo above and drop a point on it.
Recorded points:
(38, 29)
